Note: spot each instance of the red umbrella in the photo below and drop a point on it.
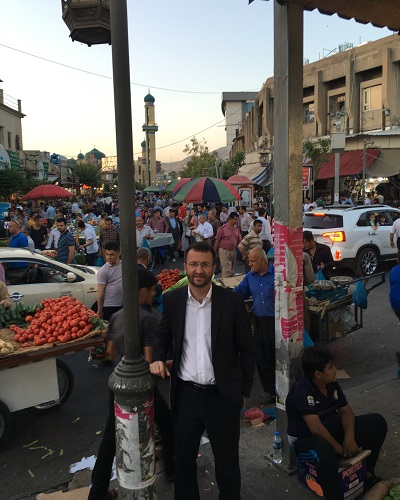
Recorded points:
(49, 191)
(207, 189)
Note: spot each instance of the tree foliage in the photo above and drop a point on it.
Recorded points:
(88, 174)
(317, 151)
(232, 166)
(16, 181)
(202, 163)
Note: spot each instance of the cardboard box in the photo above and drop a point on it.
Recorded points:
(351, 474)
(332, 331)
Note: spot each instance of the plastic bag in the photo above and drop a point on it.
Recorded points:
(145, 244)
(319, 275)
(254, 413)
(100, 261)
(360, 297)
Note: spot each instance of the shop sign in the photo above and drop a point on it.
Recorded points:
(306, 178)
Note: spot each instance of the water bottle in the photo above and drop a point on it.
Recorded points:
(277, 448)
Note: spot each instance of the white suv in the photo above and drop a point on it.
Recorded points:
(351, 238)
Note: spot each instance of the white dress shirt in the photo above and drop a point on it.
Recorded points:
(53, 238)
(140, 234)
(205, 229)
(196, 359)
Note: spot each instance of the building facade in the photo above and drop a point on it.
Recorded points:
(356, 91)
(10, 130)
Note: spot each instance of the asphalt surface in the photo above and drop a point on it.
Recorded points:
(74, 431)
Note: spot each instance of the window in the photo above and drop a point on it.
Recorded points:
(326, 221)
(308, 112)
(337, 104)
(9, 140)
(372, 98)
(17, 143)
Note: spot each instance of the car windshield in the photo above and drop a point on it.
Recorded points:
(319, 220)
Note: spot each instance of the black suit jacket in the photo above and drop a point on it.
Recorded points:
(232, 342)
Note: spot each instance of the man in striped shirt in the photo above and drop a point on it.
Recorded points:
(250, 241)
(107, 234)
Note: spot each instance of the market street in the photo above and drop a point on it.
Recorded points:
(72, 432)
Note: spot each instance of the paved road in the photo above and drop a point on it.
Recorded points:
(367, 355)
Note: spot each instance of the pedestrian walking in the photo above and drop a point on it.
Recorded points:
(227, 239)
(90, 246)
(250, 240)
(66, 243)
(207, 327)
(109, 281)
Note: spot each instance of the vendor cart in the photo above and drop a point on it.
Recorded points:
(37, 380)
(333, 313)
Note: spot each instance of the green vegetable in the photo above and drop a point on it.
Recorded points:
(181, 283)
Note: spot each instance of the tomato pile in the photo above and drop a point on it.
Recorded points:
(168, 277)
(58, 320)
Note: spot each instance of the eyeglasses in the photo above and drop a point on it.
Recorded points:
(203, 265)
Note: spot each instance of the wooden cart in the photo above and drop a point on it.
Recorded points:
(37, 381)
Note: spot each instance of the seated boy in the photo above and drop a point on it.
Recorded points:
(320, 419)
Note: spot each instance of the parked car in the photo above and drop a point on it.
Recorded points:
(43, 277)
(353, 241)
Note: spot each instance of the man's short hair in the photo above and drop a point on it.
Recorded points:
(257, 221)
(261, 211)
(26, 229)
(233, 215)
(308, 236)
(143, 253)
(201, 247)
(315, 359)
(111, 246)
(81, 223)
(146, 279)
(243, 208)
(38, 217)
(61, 219)
(108, 219)
(157, 210)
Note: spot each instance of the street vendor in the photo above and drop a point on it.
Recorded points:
(322, 424)
(320, 254)
(5, 299)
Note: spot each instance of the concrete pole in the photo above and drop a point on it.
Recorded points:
(337, 170)
(364, 171)
(130, 382)
(288, 160)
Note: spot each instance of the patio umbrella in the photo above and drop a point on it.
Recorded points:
(207, 189)
(47, 191)
(175, 185)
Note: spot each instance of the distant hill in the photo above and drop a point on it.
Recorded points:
(177, 166)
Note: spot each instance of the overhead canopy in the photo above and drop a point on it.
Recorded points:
(351, 163)
(381, 13)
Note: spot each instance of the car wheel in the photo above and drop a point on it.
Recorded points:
(367, 262)
(5, 422)
(65, 379)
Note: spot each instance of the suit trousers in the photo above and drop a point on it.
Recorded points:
(264, 330)
(196, 410)
(369, 432)
(228, 262)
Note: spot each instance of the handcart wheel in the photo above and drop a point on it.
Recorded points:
(5, 422)
(65, 379)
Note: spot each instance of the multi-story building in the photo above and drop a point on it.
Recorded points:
(10, 130)
(356, 91)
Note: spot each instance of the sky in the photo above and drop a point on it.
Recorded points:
(186, 52)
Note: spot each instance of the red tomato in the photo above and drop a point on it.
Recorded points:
(73, 336)
(50, 340)
(80, 334)
(26, 344)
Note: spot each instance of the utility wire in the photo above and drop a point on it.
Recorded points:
(110, 77)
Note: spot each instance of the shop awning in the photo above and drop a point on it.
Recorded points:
(351, 163)
(265, 177)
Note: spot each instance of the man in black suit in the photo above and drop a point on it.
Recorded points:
(212, 373)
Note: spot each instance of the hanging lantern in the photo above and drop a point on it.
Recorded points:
(87, 20)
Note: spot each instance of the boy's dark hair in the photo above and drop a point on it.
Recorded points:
(315, 359)
(108, 219)
(202, 247)
(61, 219)
(81, 223)
(261, 211)
(112, 245)
(146, 279)
(243, 208)
(233, 215)
(308, 236)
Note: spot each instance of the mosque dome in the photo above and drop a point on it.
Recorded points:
(149, 98)
(143, 144)
(81, 156)
(96, 153)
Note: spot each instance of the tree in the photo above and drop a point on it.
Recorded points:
(88, 173)
(232, 166)
(202, 163)
(317, 151)
(11, 180)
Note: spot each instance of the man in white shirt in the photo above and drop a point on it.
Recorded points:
(265, 234)
(91, 246)
(26, 230)
(395, 231)
(212, 372)
(245, 220)
(53, 239)
(204, 231)
(223, 216)
(75, 208)
(142, 232)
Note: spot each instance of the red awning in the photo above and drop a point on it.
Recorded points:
(351, 163)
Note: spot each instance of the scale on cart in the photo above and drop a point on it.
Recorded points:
(332, 290)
